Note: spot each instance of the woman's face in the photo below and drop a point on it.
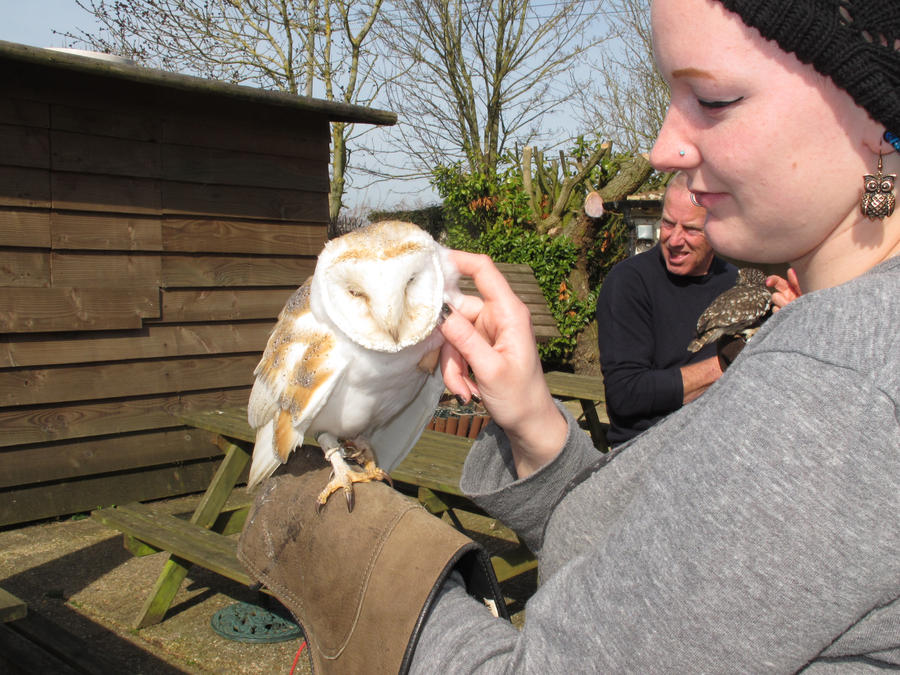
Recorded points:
(773, 150)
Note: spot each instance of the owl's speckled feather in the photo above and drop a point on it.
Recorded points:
(742, 307)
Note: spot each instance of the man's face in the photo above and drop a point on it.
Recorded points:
(681, 237)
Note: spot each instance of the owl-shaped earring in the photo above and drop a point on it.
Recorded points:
(878, 194)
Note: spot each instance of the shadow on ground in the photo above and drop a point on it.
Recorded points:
(76, 574)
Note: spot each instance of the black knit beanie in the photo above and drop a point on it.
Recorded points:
(851, 41)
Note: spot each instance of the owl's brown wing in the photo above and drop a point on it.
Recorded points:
(299, 369)
(731, 312)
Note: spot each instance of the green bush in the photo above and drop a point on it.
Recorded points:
(491, 214)
(551, 259)
(429, 218)
(476, 202)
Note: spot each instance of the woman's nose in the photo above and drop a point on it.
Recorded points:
(672, 150)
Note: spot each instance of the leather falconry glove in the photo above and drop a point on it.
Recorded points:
(359, 583)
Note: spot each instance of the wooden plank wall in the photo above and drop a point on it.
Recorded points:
(147, 242)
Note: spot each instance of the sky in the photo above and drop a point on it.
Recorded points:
(31, 22)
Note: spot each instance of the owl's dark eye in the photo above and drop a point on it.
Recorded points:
(871, 185)
(887, 186)
(356, 293)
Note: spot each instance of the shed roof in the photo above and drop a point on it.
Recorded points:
(11, 53)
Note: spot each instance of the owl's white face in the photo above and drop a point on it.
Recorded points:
(382, 286)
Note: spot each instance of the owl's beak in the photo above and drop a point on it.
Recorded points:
(389, 318)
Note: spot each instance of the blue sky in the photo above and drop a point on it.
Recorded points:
(31, 22)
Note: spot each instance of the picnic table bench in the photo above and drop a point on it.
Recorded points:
(431, 471)
(30, 643)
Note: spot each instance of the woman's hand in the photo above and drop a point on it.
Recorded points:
(783, 290)
(493, 336)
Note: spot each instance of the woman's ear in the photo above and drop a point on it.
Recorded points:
(874, 139)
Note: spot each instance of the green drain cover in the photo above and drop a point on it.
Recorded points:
(244, 622)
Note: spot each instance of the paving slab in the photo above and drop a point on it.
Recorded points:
(76, 573)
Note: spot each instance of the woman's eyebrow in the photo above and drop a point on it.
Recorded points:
(693, 72)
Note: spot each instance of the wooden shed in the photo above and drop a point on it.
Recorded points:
(151, 227)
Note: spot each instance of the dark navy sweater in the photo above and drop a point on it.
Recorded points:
(646, 317)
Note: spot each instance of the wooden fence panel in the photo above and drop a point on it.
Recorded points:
(106, 268)
(219, 235)
(45, 500)
(58, 461)
(136, 124)
(24, 112)
(28, 228)
(92, 154)
(26, 425)
(24, 146)
(24, 187)
(224, 305)
(35, 386)
(24, 268)
(31, 310)
(224, 271)
(105, 231)
(148, 342)
(309, 141)
(190, 164)
(243, 202)
(119, 194)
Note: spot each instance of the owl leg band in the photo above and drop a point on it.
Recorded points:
(361, 584)
(359, 450)
(342, 475)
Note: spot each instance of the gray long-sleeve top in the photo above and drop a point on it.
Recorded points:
(755, 530)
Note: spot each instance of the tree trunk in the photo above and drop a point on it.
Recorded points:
(338, 168)
(585, 358)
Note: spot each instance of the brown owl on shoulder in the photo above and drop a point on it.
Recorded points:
(736, 312)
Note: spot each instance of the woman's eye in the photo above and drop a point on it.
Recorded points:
(714, 105)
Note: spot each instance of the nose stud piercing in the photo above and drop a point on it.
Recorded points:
(681, 152)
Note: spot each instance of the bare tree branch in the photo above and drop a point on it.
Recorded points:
(482, 73)
(629, 100)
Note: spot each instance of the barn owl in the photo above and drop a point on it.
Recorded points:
(739, 310)
(352, 360)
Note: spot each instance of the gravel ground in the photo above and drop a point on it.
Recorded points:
(76, 573)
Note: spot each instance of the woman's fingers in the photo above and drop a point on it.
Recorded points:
(481, 268)
(784, 291)
(456, 373)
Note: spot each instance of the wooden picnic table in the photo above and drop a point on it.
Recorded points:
(11, 607)
(432, 470)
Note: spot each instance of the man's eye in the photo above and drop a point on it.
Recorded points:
(717, 104)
